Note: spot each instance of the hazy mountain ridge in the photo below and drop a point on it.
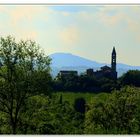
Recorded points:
(67, 61)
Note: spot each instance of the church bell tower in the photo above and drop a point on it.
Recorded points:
(113, 60)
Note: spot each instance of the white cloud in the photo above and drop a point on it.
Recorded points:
(58, 30)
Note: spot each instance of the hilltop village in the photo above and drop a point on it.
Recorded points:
(105, 71)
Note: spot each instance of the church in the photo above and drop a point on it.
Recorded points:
(105, 71)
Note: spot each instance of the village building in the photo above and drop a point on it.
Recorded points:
(106, 71)
(67, 73)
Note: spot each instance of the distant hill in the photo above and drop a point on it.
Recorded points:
(67, 61)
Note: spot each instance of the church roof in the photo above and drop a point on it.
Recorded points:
(105, 68)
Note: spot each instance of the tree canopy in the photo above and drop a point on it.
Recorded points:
(24, 72)
(132, 77)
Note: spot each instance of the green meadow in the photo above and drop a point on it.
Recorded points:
(89, 97)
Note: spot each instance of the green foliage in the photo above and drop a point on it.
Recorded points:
(132, 77)
(107, 85)
(84, 83)
(44, 115)
(119, 114)
(23, 69)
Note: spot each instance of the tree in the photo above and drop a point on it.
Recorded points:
(132, 77)
(119, 114)
(61, 99)
(79, 105)
(21, 65)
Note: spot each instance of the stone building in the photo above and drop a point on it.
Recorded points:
(67, 73)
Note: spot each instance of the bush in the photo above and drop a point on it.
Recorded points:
(79, 105)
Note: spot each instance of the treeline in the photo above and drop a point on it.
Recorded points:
(86, 83)
(28, 104)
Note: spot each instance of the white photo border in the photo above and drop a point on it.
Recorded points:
(70, 2)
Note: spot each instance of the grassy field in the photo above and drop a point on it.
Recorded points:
(89, 97)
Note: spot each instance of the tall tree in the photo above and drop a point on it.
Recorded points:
(21, 64)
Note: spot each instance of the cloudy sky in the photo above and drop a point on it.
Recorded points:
(87, 31)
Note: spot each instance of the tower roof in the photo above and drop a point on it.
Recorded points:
(114, 51)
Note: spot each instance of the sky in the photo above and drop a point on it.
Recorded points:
(89, 31)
